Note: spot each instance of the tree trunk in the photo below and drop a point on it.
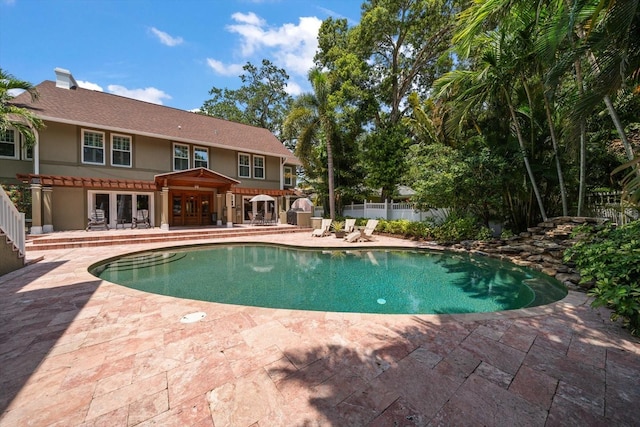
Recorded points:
(612, 111)
(583, 167)
(619, 127)
(525, 157)
(554, 140)
(330, 180)
(583, 145)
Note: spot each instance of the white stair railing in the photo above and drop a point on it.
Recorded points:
(12, 223)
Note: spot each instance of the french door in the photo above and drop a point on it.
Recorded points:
(119, 208)
(191, 208)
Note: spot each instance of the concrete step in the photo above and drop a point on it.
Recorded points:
(106, 238)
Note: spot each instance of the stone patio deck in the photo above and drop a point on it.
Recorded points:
(78, 351)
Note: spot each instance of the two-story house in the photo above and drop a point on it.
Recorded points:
(102, 151)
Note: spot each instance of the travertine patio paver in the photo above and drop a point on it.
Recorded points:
(78, 351)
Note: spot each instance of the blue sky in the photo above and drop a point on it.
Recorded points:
(170, 52)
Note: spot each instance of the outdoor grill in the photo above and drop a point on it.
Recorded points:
(292, 216)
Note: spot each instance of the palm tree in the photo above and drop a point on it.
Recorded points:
(601, 33)
(12, 116)
(312, 120)
(493, 78)
(603, 37)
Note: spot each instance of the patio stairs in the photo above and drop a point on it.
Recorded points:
(70, 240)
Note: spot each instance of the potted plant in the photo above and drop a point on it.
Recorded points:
(338, 229)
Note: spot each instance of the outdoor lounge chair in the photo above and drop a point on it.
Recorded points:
(252, 218)
(97, 221)
(349, 225)
(324, 230)
(141, 219)
(353, 236)
(365, 234)
(268, 218)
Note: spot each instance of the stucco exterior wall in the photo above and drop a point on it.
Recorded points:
(69, 208)
(9, 259)
(9, 169)
(151, 156)
(61, 154)
(224, 162)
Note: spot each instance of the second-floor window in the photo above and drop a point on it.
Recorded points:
(180, 157)
(93, 147)
(8, 144)
(200, 157)
(288, 175)
(121, 150)
(258, 167)
(244, 166)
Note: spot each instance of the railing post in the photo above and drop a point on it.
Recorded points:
(12, 222)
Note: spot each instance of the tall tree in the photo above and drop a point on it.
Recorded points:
(399, 47)
(494, 77)
(261, 101)
(13, 116)
(311, 121)
(406, 43)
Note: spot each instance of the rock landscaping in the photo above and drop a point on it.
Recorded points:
(540, 248)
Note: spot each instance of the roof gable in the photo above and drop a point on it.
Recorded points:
(197, 176)
(90, 108)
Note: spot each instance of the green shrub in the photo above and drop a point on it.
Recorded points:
(506, 234)
(418, 230)
(20, 195)
(610, 258)
(455, 229)
(484, 233)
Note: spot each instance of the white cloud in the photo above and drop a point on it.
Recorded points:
(225, 70)
(248, 18)
(90, 86)
(293, 88)
(291, 45)
(166, 38)
(149, 94)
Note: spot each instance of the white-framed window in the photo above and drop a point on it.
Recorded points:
(200, 157)
(92, 147)
(27, 152)
(258, 167)
(180, 157)
(9, 144)
(244, 165)
(121, 150)
(288, 175)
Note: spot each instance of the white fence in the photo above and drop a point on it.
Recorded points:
(12, 222)
(606, 204)
(394, 210)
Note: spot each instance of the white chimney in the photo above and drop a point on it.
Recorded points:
(64, 79)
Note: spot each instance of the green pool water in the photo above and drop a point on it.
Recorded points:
(363, 281)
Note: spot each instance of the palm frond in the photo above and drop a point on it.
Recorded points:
(630, 181)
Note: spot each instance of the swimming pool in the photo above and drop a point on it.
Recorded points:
(390, 281)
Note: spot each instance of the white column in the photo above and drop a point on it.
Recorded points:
(47, 210)
(36, 153)
(164, 216)
(36, 209)
(229, 209)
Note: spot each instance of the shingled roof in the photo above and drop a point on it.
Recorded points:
(94, 109)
